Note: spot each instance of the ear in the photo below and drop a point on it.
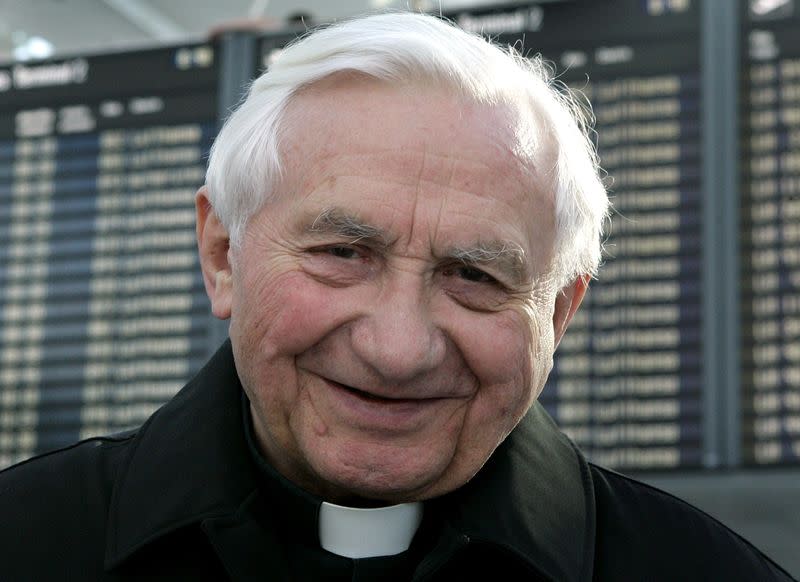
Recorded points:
(213, 244)
(567, 302)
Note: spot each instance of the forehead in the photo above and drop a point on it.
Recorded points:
(354, 141)
(359, 114)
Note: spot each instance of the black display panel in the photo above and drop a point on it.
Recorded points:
(627, 379)
(770, 243)
(102, 311)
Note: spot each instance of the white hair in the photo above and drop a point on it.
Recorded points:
(404, 48)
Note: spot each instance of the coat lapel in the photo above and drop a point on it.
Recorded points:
(534, 496)
(247, 550)
(188, 462)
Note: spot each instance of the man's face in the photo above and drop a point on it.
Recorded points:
(391, 313)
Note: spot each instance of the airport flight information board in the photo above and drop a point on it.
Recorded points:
(770, 213)
(102, 310)
(103, 316)
(627, 378)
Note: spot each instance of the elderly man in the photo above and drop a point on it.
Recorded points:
(400, 222)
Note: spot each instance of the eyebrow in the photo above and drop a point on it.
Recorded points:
(335, 221)
(507, 258)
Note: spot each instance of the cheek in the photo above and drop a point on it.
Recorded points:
(501, 356)
(500, 353)
(286, 314)
(511, 359)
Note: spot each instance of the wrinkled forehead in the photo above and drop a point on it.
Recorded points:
(510, 131)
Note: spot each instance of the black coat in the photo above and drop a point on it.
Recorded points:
(174, 501)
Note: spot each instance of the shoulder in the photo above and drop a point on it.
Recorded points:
(88, 466)
(56, 505)
(641, 529)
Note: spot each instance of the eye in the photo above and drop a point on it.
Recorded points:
(469, 273)
(342, 252)
(473, 288)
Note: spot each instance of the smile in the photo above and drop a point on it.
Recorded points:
(365, 410)
(373, 397)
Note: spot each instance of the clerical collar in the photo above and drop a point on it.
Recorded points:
(355, 532)
(346, 531)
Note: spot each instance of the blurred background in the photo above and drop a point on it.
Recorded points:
(683, 366)
(39, 28)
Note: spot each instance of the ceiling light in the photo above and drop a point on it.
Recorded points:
(33, 48)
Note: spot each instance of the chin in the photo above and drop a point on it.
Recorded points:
(382, 475)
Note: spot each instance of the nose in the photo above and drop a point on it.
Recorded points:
(397, 336)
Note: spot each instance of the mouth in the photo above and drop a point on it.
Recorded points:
(371, 397)
(380, 415)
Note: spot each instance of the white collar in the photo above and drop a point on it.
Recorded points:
(355, 532)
